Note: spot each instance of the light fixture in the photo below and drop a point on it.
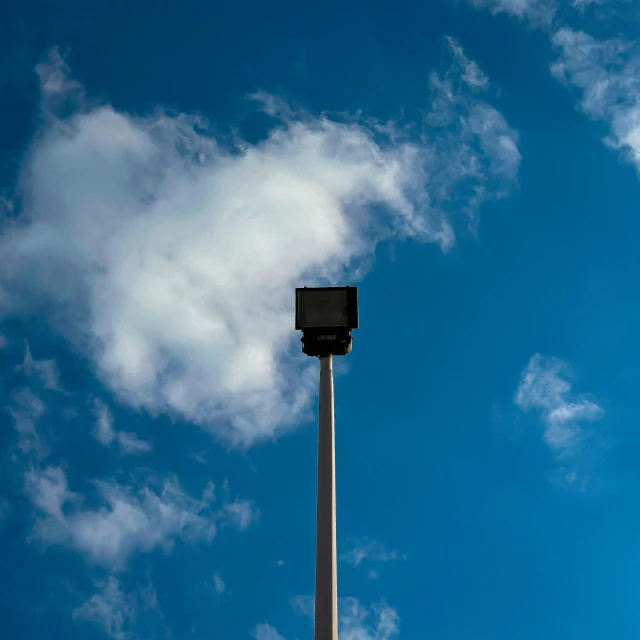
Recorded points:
(326, 316)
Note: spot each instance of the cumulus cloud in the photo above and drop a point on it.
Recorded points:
(106, 434)
(366, 550)
(124, 522)
(169, 254)
(545, 387)
(607, 73)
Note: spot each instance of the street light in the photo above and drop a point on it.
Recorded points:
(326, 316)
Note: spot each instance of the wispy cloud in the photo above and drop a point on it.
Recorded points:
(46, 371)
(357, 621)
(608, 75)
(170, 255)
(106, 434)
(378, 622)
(539, 12)
(26, 410)
(126, 522)
(219, 584)
(121, 613)
(266, 632)
(545, 387)
(365, 550)
(111, 609)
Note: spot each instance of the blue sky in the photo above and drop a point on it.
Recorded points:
(170, 173)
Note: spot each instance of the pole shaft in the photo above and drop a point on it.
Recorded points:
(326, 602)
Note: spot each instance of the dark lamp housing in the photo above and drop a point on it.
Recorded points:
(326, 316)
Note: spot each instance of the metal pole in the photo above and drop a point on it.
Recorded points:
(326, 604)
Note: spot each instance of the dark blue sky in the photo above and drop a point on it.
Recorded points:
(472, 167)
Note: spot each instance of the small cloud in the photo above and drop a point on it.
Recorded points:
(365, 549)
(356, 621)
(372, 574)
(545, 387)
(540, 13)
(124, 521)
(200, 457)
(130, 444)
(472, 75)
(280, 563)
(45, 371)
(218, 584)
(265, 632)
(103, 431)
(303, 605)
(26, 411)
(118, 612)
(3, 341)
(106, 434)
(607, 72)
(110, 609)
(241, 513)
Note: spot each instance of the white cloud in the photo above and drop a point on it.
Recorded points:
(367, 550)
(45, 371)
(171, 257)
(266, 632)
(241, 513)
(26, 411)
(103, 431)
(581, 5)
(608, 75)
(472, 75)
(303, 605)
(538, 12)
(218, 584)
(110, 609)
(125, 522)
(106, 434)
(132, 445)
(544, 386)
(356, 621)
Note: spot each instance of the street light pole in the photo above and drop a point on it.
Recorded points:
(326, 602)
(326, 317)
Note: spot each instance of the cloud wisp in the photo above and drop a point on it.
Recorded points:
(169, 254)
(111, 609)
(106, 434)
(364, 551)
(355, 620)
(608, 75)
(544, 386)
(539, 13)
(126, 522)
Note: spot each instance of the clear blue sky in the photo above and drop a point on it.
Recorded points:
(170, 172)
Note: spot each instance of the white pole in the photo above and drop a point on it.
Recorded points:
(326, 602)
